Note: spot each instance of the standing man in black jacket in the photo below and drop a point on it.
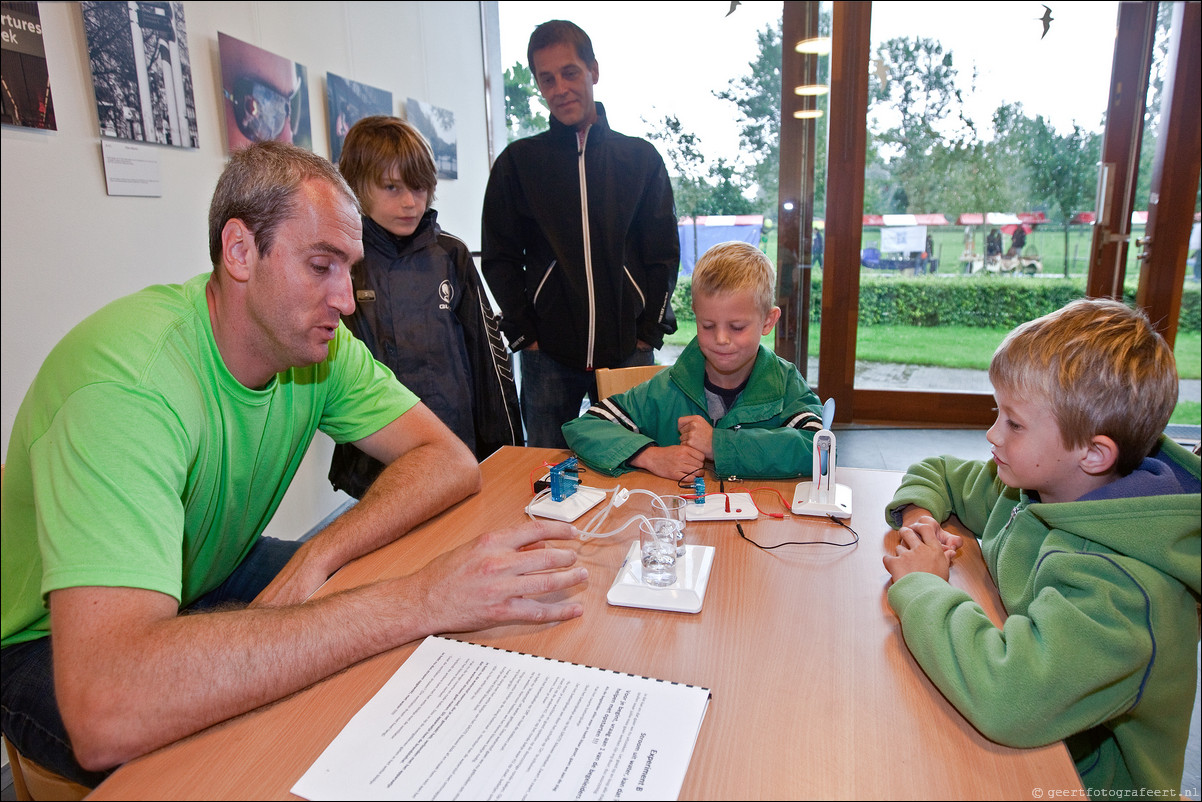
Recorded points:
(579, 241)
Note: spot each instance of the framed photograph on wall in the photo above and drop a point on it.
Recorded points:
(349, 102)
(438, 126)
(26, 94)
(141, 72)
(264, 96)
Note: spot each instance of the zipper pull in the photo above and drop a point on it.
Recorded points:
(1013, 514)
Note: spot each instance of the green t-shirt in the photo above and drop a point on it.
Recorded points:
(138, 460)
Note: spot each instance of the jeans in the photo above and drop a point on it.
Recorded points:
(29, 712)
(552, 394)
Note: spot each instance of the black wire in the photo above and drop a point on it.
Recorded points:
(855, 538)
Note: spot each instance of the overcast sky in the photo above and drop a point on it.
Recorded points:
(657, 58)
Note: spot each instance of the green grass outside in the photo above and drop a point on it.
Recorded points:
(1056, 253)
(1187, 413)
(965, 347)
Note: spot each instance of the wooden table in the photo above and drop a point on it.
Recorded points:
(814, 692)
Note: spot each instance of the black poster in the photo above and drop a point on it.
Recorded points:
(23, 70)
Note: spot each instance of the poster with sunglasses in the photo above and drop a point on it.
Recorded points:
(438, 126)
(26, 81)
(141, 72)
(265, 96)
(349, 102)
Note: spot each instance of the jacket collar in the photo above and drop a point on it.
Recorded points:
(764, 393)
(377, 237)
(598, 129)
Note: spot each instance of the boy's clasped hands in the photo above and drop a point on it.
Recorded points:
(924, 546)
(686, 459)
(697, 433)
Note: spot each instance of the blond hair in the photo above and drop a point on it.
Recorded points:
(1102, 369)
(379, 147)
(730, 267)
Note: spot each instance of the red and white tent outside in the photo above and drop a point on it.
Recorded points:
(873, 220)
(1006, 221)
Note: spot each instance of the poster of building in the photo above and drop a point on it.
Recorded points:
(265, 96)
(349, 102)
(141, 72)
(26, 81)
(438, 126)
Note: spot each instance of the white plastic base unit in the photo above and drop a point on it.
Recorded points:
(685, 596)
(808, 502)
(571, 508)
(716, 508)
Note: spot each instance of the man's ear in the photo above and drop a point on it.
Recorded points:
(238, 249)
(1101, 454)
(596, 71)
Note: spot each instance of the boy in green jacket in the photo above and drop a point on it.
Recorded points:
(727, 401)
(1088, 519)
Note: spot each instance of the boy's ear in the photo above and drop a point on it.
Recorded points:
(770, 321)
(1101, 454)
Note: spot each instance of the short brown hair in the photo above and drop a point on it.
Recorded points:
(378, 145)
(736, 267)
(1102, 369)
(259, 186)
(558, 31)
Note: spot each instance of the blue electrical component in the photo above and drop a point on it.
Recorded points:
(564, 479)
(699, 490)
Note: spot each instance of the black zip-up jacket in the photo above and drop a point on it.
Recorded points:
(420, 308)
(580, 244)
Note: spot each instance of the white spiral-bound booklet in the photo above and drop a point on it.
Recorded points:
(463, 721)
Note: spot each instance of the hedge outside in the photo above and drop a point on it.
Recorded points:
(999, 302)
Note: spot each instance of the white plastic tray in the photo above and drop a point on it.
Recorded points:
(742, 508)
(686, 596)
(839, 506)
(571, 508)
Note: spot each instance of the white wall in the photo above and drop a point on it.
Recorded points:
(68, 248)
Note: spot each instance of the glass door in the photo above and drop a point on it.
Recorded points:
(961, 186)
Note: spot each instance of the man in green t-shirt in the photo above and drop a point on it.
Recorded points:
(153, 448)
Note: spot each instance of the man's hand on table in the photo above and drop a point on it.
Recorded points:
(491, 580)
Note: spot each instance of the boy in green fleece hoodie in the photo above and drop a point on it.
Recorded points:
(1088, 519)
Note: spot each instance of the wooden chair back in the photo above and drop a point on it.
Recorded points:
(33, 782)
(611, 381)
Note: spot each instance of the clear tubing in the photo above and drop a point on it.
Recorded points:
(618, 497)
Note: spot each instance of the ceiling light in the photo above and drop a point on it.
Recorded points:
(819, 45)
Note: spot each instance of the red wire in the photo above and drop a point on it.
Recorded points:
(778, 495)
(532, 470)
